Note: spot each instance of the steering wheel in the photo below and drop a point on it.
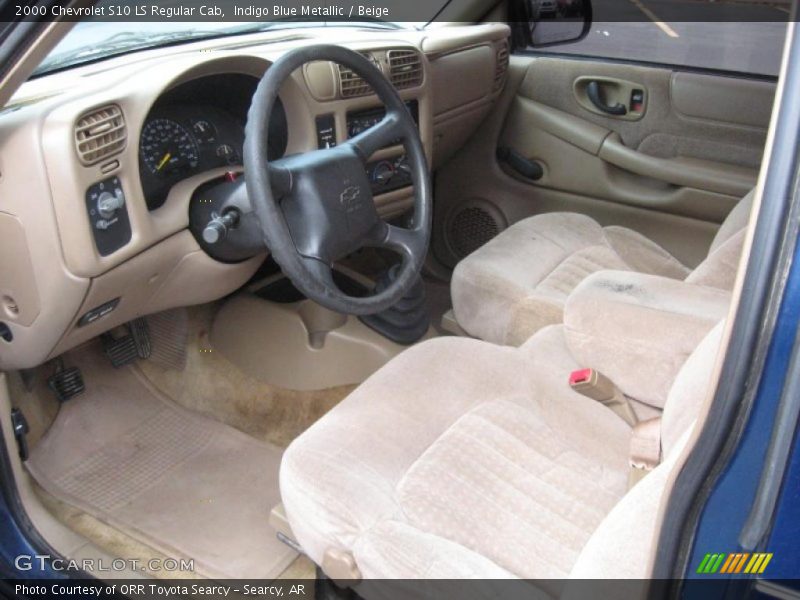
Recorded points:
(316, 207)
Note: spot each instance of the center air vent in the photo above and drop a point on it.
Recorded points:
(351, 84)
(501, 66)
(100, 133)
(405, 68)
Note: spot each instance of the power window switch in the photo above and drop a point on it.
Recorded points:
(637, 100)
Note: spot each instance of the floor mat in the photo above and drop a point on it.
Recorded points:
(182, 483)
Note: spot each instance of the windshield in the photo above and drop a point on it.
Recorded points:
(94, 40)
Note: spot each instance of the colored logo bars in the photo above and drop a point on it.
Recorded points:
(742, 562)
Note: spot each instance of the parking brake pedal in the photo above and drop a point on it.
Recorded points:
(126, 349)
(21, 430)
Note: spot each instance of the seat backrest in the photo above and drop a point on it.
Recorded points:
(622, 544)
(722, 262)
(736, 220)
(689, 390)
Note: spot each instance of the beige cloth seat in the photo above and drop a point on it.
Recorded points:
(462, 458)
(518, 282)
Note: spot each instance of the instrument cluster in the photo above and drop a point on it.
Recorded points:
(180, 141)
(197, 127)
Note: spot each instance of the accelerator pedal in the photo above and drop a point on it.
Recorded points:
(169, 335)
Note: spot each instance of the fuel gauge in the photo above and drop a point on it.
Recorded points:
(228, 153)
(204, 131)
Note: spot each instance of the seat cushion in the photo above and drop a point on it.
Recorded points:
(518, 282)
(460, 452)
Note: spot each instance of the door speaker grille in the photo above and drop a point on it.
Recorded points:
(470, 228)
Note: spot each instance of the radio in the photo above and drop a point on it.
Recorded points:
(384, 175)
(356, 123)
(363, 120)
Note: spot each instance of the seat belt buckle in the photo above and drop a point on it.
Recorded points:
(593, 384)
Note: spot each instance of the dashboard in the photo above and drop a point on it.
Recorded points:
(100, 165)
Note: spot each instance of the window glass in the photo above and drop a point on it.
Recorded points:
(752, 47)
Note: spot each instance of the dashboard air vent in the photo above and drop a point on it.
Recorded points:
(100, 133)
(501, 66)
(351, 84)
(405, 68)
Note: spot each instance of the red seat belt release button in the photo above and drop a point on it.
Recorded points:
(592, 383)
(581, 376)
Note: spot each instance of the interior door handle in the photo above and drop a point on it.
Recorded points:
(530, 169)
(596, 97)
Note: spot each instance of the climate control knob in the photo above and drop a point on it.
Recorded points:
(382, 172)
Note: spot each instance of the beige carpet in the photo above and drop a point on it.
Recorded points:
(184, 484)
(213, 386)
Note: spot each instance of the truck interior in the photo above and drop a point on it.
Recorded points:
(368, 302)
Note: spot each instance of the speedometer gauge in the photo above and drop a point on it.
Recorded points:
(167, 147)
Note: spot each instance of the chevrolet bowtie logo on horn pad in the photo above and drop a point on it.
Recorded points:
(350, 198)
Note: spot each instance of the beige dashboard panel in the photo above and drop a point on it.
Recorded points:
(174, 273)
(43, 183)
(19, 294)
(54, 292)
(466, 84)
(447, 39)
(69, 179)
(462, 77)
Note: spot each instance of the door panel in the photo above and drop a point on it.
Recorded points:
(731, 113)
(672, 172)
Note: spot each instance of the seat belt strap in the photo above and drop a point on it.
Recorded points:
(645, 449)
(593, 384)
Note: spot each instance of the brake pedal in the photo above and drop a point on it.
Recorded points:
(66, 383)
(120, 351)
(126, 349)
